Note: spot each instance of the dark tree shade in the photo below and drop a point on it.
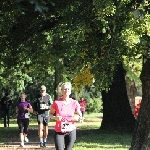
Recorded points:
(117, 114)
(141, 138)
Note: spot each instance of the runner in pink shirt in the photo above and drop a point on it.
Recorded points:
(82, 103)
(65, 108)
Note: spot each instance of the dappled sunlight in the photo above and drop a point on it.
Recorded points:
(89, 137)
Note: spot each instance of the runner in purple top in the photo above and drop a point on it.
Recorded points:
(23, 108)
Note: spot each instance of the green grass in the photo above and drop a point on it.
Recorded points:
(94, 115)
(89, 137)
(93, 139)
(101, 141)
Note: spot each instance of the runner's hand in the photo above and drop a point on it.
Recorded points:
(58, 118)
(76, 118)
(80, 119)
(35, 113)
(26, 109)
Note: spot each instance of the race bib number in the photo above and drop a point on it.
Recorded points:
(42, 106)
(27, 115)
(66, 126)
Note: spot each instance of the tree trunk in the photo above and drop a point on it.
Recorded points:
(117, 114)
(141, 138)
(58, 78)
(131, 93)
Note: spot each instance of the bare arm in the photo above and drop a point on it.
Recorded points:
(78, 112)
(30, 109)
(51, 114)
(79, 117)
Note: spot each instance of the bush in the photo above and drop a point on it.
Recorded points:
(94, 105)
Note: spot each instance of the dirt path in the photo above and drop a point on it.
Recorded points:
(29, 146)
(12, 140)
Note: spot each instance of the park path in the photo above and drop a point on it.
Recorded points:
(28, 146)
(12, 141)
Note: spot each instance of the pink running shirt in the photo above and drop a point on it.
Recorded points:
(67, 112)
(83, 105)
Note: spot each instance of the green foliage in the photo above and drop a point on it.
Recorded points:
(94, 105)
(36, 34)
(133, 67)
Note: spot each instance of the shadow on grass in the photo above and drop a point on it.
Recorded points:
(91, 138)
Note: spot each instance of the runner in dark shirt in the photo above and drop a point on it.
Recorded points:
(6, 103)
(41, 109)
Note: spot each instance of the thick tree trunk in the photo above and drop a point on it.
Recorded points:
(117, 114)
(131, 93)
(141, 138)
(58, 78)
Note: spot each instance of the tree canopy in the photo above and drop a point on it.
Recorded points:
(42, 40)
(83, 33)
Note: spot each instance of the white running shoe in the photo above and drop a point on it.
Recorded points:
(22, 145)
(26, 139)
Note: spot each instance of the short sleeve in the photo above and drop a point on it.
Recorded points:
(50, 100)
(77, 108)
(29, 105)
(54, 106)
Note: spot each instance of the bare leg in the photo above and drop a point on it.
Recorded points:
(22, 139)
(45, 135)
(45, 131)
(40, 130)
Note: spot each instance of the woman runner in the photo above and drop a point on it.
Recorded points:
(65, 108)
(23, 108)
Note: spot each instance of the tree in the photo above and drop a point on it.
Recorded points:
(140, 139)
(96, 32)
(133, 82)
(117, 113)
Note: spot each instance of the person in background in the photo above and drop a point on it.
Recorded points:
(64, 109)
(41, 109)
(82, 103)
(136, 109)
(23, 108)
(6, 103)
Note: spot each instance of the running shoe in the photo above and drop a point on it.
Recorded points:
(21, 145)
(41, 144)
(44, 144)
(26, 139)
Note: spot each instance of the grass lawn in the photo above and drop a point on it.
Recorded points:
(88, 135)
(93, 139)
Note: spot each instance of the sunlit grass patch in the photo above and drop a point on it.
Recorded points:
(88, 125)
(95, 140)
(93, 115)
